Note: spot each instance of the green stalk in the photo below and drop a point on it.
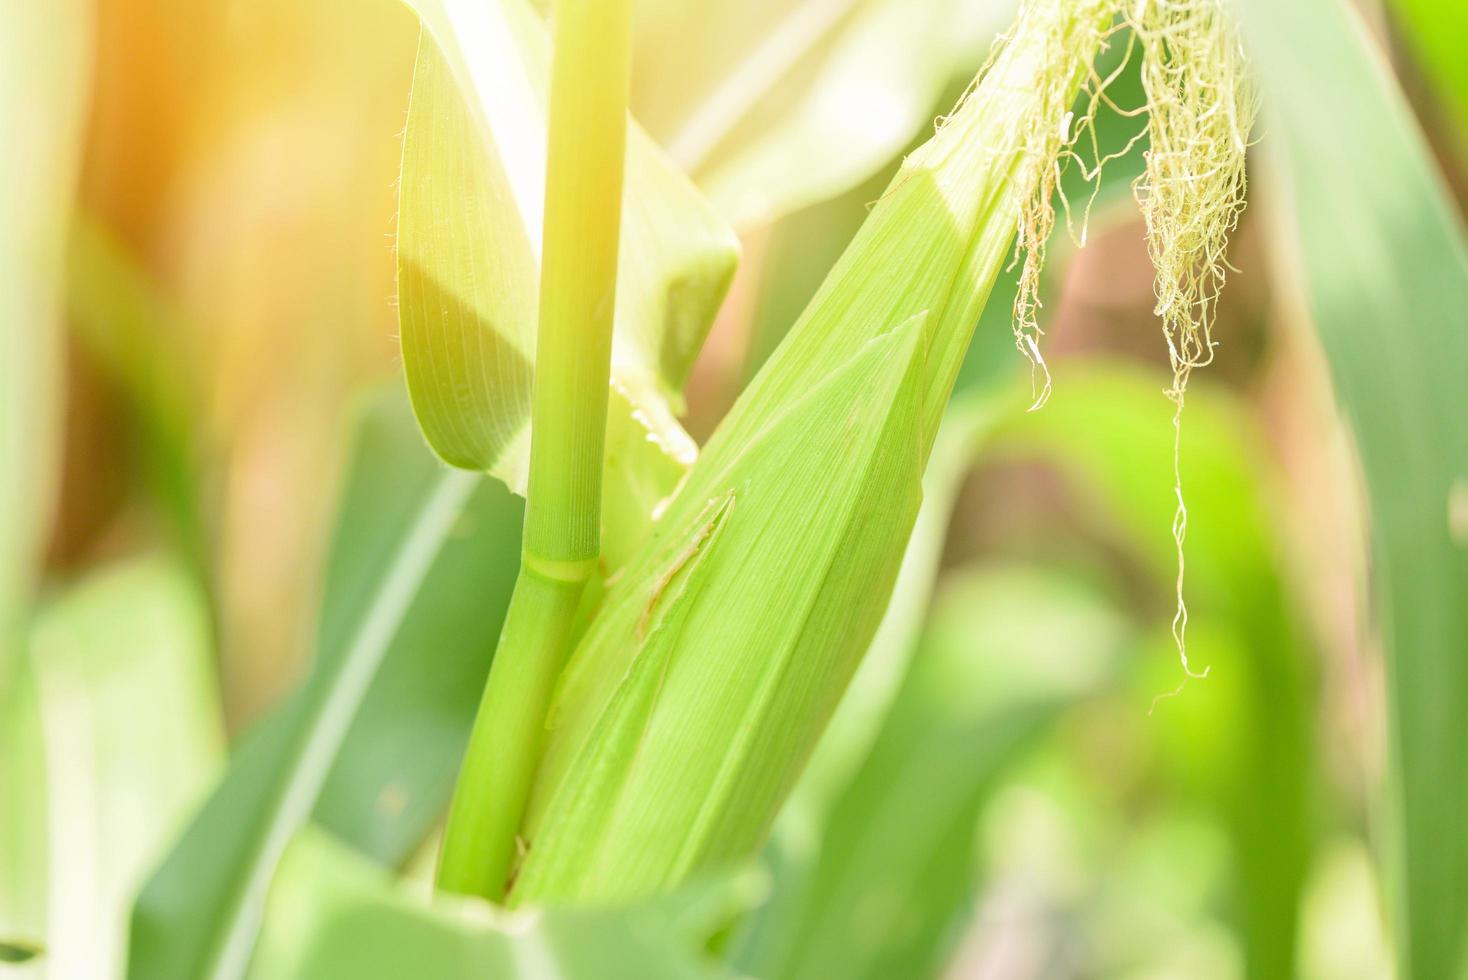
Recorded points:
(562, 542)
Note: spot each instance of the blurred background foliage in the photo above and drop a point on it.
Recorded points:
(229, 565)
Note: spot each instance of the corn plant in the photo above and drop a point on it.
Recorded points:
(634, 690)
(618, 808)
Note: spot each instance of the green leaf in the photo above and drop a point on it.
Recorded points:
(1375, 242)
(332, 916)
(418, 580)
(44, 52)
(111, 740)
(1432, 27)
(394, 774)
(890, 870)
(469, 230)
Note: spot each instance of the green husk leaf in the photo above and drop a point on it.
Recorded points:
(843, 504)
(1366, 227)
(858, 720)
(418, 580)
(469, 227)
(113, 736)
(804, 246)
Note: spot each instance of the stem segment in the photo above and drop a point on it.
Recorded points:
(562, 542)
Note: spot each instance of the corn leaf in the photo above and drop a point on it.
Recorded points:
(393, 776)
(1380, 252)
(1431, 27)
(112, 739)
(333, 916)
(418, 580)
(44, 53)
(469, 254)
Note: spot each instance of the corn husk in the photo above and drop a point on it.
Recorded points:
(718, 653)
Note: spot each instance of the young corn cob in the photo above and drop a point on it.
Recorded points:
(700, 687)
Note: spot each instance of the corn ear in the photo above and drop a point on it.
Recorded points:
(734, 650)
(697, 692)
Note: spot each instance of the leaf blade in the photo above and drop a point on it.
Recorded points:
(333, 917)
(322, 753)
(120, 722)
(1386, 283)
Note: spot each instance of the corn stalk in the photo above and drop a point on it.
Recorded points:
(562, 541)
